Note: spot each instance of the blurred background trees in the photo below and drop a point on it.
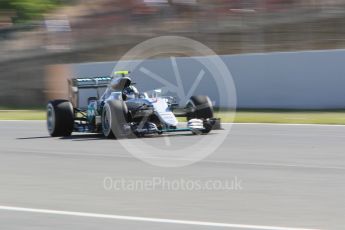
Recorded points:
(38, 33)
(227, 26)
(26, 10)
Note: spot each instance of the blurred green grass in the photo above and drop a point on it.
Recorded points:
(336, 117)
(330, 117)
(288, 117)
(22, 115)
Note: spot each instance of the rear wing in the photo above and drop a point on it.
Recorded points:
(81, 90)
(95, 82)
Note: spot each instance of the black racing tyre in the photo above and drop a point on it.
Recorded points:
(60, 118)
(114, 118)
(199, 107)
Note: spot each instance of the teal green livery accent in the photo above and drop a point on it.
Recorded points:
(91, 111)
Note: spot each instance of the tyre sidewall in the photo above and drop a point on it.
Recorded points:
(118, 117)
(202, 107)
(60, 118)
(107, 121)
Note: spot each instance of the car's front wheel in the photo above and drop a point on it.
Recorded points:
(200, 107)
(114, 119)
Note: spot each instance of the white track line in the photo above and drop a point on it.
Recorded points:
(145, 219)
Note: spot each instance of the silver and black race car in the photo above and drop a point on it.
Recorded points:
(122, 111)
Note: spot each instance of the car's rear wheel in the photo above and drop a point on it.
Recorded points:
(60, 118)
(200, 107)
(114, 119)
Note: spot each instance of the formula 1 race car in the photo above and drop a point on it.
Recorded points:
(122, 111)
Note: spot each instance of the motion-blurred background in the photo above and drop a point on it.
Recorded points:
(38, 33)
